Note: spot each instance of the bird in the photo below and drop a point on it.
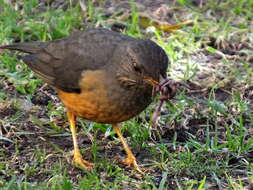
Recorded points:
(99, 75)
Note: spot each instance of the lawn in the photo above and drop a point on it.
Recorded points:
(204, 137)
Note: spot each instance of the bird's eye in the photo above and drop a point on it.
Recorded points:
(137, 69)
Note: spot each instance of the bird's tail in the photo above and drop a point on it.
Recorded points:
(29, 47)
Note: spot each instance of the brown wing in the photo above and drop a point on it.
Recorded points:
(61, 62)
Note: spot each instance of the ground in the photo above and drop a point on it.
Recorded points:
(204, 138)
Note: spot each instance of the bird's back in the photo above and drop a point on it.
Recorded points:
(61, 62)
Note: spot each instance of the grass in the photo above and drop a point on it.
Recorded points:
(203, 140)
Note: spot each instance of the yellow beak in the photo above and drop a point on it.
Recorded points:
(151, 81)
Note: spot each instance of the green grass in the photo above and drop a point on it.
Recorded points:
(203, 140)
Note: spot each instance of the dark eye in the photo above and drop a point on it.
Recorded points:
(137, 69)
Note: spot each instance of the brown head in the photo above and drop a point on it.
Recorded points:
(142, 63)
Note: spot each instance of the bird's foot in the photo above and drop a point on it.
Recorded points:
(82, 163)
(131, 161)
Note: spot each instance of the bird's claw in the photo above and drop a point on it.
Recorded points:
(83, 163)
(131, 162)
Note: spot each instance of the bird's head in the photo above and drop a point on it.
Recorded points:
(143, 63)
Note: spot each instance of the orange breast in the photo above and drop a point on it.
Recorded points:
(94, 102)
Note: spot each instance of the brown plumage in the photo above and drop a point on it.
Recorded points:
(100, 75)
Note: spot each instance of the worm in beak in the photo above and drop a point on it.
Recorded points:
(167, 89)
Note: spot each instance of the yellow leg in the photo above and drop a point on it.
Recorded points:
(77, 155)
(130, 160)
